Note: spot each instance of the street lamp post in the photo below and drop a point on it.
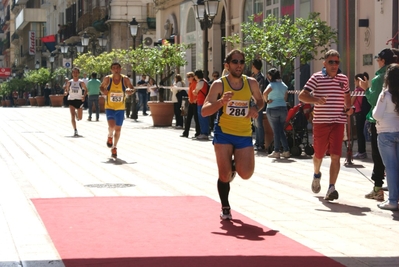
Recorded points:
(51, 59)
(37, 67)
(206, 11)
(65, 48)
(102, 41)
(134, 27)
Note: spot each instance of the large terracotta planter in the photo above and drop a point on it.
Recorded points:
(40, 100)
(57, 100)
(7, 103)
(21, 102)
(162, 113)
(32, 101)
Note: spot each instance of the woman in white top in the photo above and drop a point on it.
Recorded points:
(177, 100)
(153, 90)
(386, 113)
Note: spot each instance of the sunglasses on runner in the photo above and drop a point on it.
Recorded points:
(236, 61)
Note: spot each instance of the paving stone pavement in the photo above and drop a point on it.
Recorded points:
(40, 158)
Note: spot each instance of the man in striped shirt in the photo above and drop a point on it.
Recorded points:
(328, 90)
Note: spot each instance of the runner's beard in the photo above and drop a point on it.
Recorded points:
(235, 75)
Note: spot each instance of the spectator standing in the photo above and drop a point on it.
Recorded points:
(192, 107)
(384, 58)
(115, 86)
(215, 76)
(177, 100)
(153, 90)
(275, 96)
(201, 91)
(262, 82)
(231, 98)
(129, 102)
(386, 113)
(47, 93)
(66, 80)
(85, 80)
(362, 107)
(142, 95)
(93, 90)
(329, 92)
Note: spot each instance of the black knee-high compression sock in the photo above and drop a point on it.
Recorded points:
(224, 189)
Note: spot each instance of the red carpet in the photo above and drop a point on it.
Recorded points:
(164, 231)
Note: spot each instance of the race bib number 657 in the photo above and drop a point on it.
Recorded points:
(237, 108)
(116, 97)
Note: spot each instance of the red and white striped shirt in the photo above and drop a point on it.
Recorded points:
(334, 89)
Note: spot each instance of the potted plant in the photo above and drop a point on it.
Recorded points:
(157, 62)
(38, 77)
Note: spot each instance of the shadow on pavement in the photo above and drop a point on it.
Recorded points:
(117, 161)
(343, 208)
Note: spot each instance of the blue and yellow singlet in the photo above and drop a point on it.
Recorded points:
(232, 117)
(116, 95)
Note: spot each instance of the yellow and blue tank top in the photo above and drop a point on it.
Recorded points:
(116, 94)
(232, 117)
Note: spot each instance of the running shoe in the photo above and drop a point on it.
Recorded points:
(388, 206)
(316, 184)
(76, 133)
(332, 194)
(113, 152)
(109, 142)
(377, 195)
(225, 214)
(286, 154)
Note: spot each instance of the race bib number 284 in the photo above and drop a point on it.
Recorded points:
(237, 108)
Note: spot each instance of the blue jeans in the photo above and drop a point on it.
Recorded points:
(203, 122)
(93, 99)
(259, 131)
(388, 145)
(142, 94)
(276, 117)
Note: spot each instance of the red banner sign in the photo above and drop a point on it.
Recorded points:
(5, 73)
(32, 43)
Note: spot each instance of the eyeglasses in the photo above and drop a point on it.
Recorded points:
(236, 61)
(332, 62)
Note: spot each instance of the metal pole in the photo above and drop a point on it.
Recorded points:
(134, 100)
(134, 72)
(205, 44)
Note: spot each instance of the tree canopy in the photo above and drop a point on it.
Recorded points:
(279, 41)
(151, 61)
